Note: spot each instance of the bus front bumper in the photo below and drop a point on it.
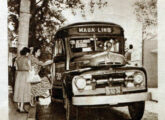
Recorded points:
(111, 100)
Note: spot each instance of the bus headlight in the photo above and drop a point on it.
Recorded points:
(135, 80)
(138, 78)
(80, 83)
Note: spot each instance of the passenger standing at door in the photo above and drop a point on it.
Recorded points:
(36, 65)
(22, 92)
(128, 54)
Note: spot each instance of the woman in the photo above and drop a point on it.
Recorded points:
(42, 88)
(22, 92)
(36, 65)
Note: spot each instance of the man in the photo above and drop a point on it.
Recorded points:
(110, 45)
(128, 54)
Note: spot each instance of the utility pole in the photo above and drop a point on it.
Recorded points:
(24, 20)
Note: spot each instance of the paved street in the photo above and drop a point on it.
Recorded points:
(13, 113)
(55, 111)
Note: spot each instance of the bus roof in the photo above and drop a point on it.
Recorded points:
(84, 24)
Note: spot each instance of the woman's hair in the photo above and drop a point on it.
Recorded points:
(24, 51)
(44, 72)
(35, 50)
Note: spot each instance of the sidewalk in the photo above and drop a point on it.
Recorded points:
(14, 114)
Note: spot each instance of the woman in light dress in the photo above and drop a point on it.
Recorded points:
(22, 92)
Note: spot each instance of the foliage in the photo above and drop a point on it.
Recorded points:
(46, 17)
(146, 12)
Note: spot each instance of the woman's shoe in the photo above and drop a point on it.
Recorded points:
(32, 103)
(23, 111)
(18, 110)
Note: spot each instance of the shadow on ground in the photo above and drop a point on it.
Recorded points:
(55, 111)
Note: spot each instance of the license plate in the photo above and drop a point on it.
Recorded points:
(113, 90)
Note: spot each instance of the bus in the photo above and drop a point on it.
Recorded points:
(91, 70)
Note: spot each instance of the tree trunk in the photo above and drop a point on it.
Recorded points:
(32, 27)
(24, 20)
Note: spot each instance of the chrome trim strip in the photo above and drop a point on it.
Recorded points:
(111, 100)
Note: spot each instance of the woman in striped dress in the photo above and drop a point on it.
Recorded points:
(38, 89)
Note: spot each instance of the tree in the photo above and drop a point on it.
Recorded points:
(46, 17)
(146, 12)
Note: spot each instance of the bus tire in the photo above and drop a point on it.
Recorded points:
(69, 109)
(136, 110)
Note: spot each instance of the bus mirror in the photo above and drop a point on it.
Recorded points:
(125, 39)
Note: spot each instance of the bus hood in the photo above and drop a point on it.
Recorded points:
(99, 59)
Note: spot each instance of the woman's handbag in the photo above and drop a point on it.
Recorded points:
(33, 77)
(45, 101)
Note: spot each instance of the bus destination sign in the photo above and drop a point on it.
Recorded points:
(95, 30)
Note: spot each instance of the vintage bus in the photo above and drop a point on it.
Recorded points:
(91, 70)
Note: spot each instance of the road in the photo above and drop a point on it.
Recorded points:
(55, 111)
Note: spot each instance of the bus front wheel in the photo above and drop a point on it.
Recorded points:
(136, 110)
(69, 110)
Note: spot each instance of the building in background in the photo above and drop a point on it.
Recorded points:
(150, 60)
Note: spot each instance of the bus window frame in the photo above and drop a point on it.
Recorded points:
(120, 39)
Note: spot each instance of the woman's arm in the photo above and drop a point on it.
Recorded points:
(48, 62)
(43, 63)
(29, 63)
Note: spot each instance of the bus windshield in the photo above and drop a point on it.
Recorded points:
(94, 44)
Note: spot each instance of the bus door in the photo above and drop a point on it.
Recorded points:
(59, 60)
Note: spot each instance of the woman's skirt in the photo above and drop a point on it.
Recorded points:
(22, 92)
(41, 89)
